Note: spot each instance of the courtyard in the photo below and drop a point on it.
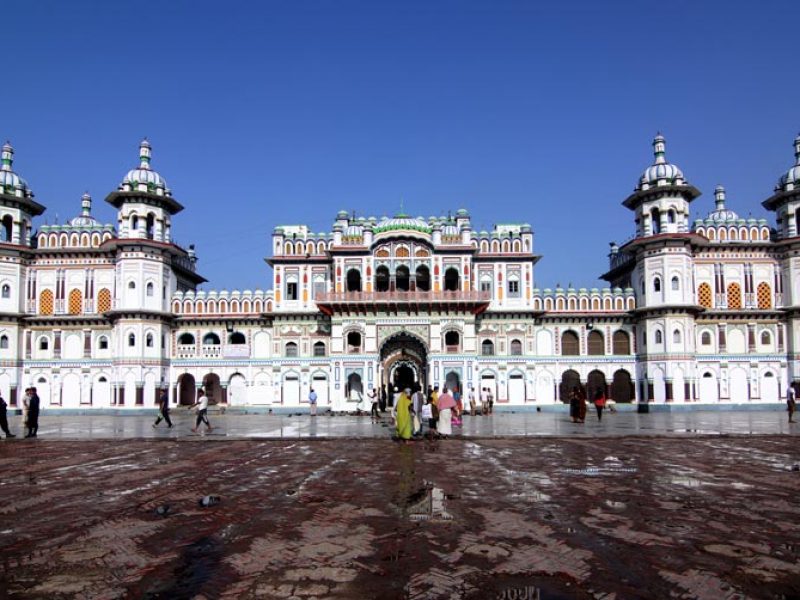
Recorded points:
(658, 515)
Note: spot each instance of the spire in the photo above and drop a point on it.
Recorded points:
(719, 197)
(86, 205)
(144, 154)
(7, 157)
(659, 149)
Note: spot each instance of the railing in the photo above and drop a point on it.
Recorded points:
(400, 296)
(212, 350)
(236, 351)
(186, 351)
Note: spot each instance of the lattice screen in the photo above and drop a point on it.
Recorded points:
(75, 302)
(734, 296)
(704, 295)
(764, 296)
(103, 300)
(46, 302)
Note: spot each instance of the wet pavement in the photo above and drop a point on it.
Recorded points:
(229, 426)
(707, 517)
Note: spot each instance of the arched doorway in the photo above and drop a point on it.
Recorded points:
(621, 387)
(403, 362)
(353, 280)
(709, 391)
(596, 381)
(769, 387)
(213, 389)
(237, 390)
(569, 380)
(187, 391)
(453, 382)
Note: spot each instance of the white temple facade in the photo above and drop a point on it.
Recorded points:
(100, 316)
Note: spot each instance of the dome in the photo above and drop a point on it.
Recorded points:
(10, 182)
(353, 231)
(402, 222)
(720, 214)
(85, 219)
(660, 172)
(791, 179)
(450, 229)
(144, 175)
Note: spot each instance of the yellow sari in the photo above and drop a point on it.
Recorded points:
(403, 417)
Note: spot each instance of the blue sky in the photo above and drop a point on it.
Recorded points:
(273, 113)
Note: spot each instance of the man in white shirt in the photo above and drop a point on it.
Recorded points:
(202, 410)
(312, 401)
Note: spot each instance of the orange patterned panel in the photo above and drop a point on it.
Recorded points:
(734, 296)
(75, 302)
(46, 302)
(764, 296)
(104, 300)
(704, 295)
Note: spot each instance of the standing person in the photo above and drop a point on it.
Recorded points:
(427, 417)
(435, 396)
(582, 405)
(404, 412)
(163, 409)
(484, 401)
(4, 418)
(490, 396)
(202, 410)
(26, 405)
(395, 397)
(382, 404)
(33, 414)
(472, 406)
(459, 410)
(574, 405)
(790, 403)
(445, 405)
(373, 411)
(312, 401)
(417, 401)
(599, 403)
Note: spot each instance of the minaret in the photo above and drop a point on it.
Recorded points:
(17, 201)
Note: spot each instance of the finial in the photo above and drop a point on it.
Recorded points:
(719, 197)
(659, 148)
(797, 149)
(86, 204)
(7, 156)
(144, 154)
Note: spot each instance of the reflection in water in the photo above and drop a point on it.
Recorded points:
(428, 504)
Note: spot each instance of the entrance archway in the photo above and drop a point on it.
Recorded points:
(622, 388)
(187, 392)
(213, 389)
(596, 381)
(404, 359)
(569, 380)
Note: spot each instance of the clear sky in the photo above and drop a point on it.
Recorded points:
(268, 113)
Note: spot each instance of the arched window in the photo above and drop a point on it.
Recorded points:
(319, 349)
(134, 222)
(516, 348)
(766, 339)
(655, 219)
(705, 339)
(734, 296)
(291, 350)
(670, 216)
(402, 278)
(353, 280)
(102, 343)
(354, 342)
(595, 344)
(621, 343)
(148, 341)
(75, 305)
(676, 284)
(382, 279)
(186, 339)
(237, 338)
(676, 336)
(657, 284)
(659, 337)
(131, 339)
(3, 342)
(211, 339)
(570, 346)
(704, 297)
(44, 343)
(131, 285)
(7, 227)
(764, 296)
(451, 280)
(487, 347)
(149, 225)
(6, 293)
(149, 288)
(452, 341)
(423, 278)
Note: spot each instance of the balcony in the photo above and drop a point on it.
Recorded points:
(474, 301)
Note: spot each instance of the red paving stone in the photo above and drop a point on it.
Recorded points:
(708, 518)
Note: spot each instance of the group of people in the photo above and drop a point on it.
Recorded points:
(202, 410)
(30, 414)
(413, 411)
(578, 404)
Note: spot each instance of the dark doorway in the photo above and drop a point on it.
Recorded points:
(187, 392)
(621, 387)
(403, 377)
(423, 278)
(596, 381)
(382, 279)
(402, 279)
(451, 280)
(353, 280)
(569, 380)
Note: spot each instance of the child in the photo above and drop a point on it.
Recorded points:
(427, 417)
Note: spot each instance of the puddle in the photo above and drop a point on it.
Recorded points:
(616, 504)
(738, 485)
(691, 482)
(428, 504)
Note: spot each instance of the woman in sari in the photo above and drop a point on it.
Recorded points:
(446, 405)
(403, 418)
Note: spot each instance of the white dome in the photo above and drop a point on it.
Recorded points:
(721, 214)
(402, 222)
(353, 231)
(660, 172)
(791, 179)
(144, 175)
(10, 182)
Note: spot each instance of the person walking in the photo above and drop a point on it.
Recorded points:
(490, 396)
(428, 418)
(417, 401)
(404, 414)
(445, 405)
(599, 403)
(373, 411)
(312, 402)
(163, 409)
(33, 414)
(790, 403)
(4, 418)
(26, 405)
(459, 410)
(574, 405)
(582, 405)
(472, 406)
(202, 410)
(484, 401)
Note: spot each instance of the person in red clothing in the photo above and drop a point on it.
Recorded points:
(599, 403)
